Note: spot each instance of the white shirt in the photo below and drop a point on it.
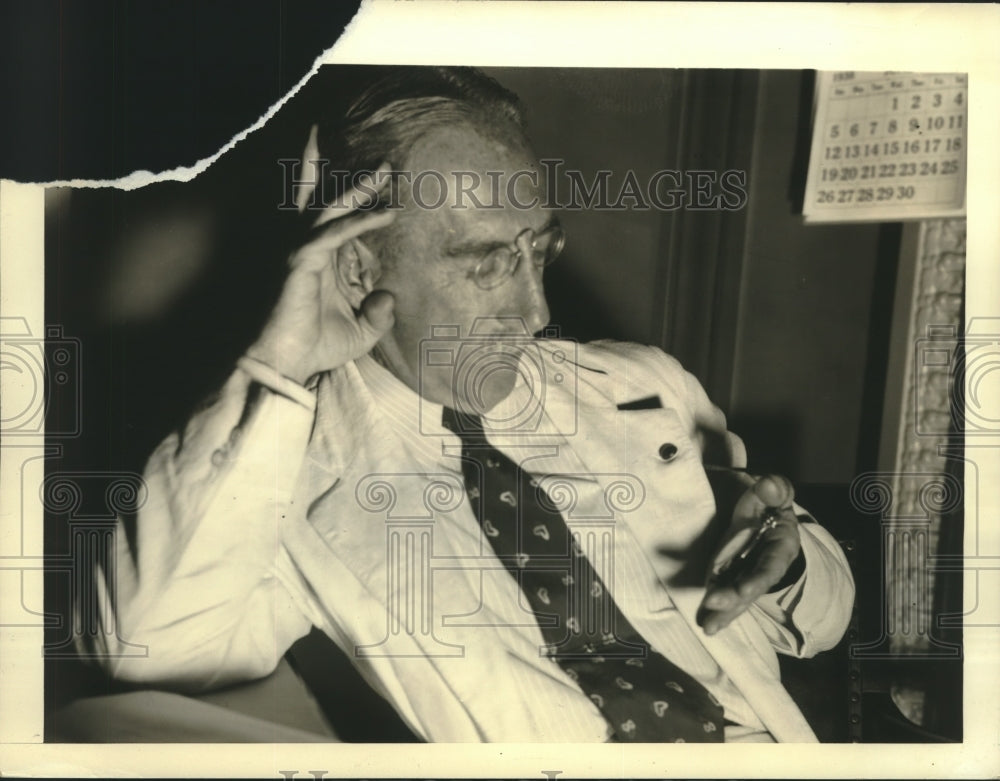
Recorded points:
(257, 527)
(664, 630)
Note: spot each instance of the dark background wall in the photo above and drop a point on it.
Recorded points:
(603, 120)
(814, 308)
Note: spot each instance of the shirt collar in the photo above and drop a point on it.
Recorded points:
(517, 420)
(415, 419)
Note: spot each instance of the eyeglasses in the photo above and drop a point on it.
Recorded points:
(501, 264)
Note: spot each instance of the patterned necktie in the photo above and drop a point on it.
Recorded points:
(643, 696)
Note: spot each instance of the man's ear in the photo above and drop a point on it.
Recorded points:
(358, 269)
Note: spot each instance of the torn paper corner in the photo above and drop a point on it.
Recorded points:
(137, 179)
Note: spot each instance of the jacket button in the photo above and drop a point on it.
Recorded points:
(668, 451)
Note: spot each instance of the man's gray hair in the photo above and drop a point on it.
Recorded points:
(395, 111)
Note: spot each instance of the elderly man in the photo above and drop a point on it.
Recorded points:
(514, 539)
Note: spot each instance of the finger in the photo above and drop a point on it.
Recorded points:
(725, 600)
(720, 598)
(778, 548)
(719, 608)
(361, 194)
(770, 491)
(775, 491)
(310, 171)
(314, 255)
(376, 316)
(716, 621)
(771, 566)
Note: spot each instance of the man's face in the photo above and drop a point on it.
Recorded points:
(432, 272)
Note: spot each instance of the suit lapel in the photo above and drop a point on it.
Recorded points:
(674, 527)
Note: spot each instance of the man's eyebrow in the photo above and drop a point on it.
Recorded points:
(482, 247)
(475, 248)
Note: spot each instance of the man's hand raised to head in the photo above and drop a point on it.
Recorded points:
(731, 592)
(328, 313)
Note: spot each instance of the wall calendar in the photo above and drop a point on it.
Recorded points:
(887, 146)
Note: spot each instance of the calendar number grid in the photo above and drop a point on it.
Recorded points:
(887, 143)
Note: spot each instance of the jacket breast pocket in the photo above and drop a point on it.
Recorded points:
(675, 526)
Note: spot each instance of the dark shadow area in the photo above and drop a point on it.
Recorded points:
(578, 311)
(102, 89)
(803, 142)
(355, 711)
(773, 442)
(880, 334)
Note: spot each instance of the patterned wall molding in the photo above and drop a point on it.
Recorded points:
(934, 330)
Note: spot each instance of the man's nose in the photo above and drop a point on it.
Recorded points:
(532, 304)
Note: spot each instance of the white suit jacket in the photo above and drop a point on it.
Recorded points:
(271, 513)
